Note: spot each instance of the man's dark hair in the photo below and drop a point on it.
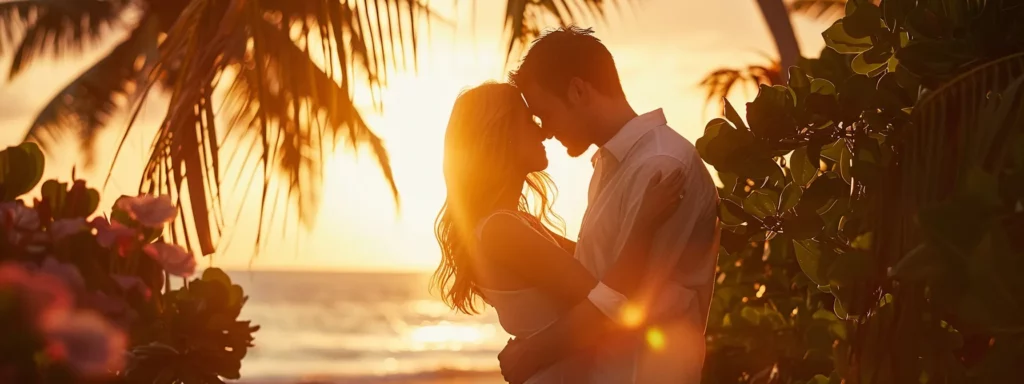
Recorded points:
(561, 54)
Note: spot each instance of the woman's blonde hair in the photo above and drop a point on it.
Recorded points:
(479, 167)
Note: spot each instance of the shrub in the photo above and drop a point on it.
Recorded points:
(884, 183)
(86, 298)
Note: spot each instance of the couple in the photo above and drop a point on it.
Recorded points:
(628, 301)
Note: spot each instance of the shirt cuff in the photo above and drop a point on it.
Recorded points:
(609, 301)
(673, 300)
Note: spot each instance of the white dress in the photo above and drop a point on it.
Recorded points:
(524, 312)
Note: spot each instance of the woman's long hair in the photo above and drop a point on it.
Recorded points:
(480, 166)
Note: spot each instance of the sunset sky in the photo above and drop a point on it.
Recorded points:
(662, 49)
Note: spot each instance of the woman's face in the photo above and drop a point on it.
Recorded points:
(527, 141)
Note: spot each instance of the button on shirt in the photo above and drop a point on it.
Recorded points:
(684, 251)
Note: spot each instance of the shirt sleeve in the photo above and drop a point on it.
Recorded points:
(609, 301)
(665, 296)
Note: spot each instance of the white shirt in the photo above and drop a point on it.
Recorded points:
(684, 252)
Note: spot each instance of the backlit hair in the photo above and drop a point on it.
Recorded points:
(479, 167)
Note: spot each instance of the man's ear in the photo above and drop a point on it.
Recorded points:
(576, 93)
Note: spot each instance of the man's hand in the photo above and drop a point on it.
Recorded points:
(515, 362)
(583, 327)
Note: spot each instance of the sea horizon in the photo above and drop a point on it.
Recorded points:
(326, 269)
(362, 327)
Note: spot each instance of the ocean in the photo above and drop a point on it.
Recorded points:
(361, 327)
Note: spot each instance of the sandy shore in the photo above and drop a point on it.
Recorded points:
(432, 378)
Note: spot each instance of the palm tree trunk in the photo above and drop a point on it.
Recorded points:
(777, 17)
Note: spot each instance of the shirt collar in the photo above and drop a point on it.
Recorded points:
(620, 144)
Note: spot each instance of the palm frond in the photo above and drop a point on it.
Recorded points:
(291, 69)
(374, 36)
(957, 141)
(56, 28)
(720, 82)
(524, 19)
(819, 9)
(13, 17)
(822, 9)
(946, 116)
(177, 158)
(280, 100)
(87, 103)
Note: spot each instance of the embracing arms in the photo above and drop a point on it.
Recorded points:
(585, 325)
(508, 241)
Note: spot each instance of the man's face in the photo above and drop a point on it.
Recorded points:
(562, 117)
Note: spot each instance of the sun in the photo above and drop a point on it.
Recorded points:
(359, 213)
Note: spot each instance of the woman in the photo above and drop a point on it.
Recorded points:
(496, 240)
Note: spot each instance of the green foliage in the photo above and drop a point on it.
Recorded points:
(64, 203)
(198, 340)
(769, 323)
(21, 168)
(100, 275)
(885, 180)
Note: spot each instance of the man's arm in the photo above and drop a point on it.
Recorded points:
(591, 321)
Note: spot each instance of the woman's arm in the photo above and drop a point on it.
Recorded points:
(510, 242)
(568, 245)
(514, 244)
(590, 321)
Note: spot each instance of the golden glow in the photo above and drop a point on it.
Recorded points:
(655, 339)
(662, 49)
(449, 336)
(632, 315)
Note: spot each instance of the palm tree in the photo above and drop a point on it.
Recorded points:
(289, 69)
(721, 81)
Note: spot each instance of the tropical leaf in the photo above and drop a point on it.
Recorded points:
(947, 157)
(818, 8)
(720, 82)
(85, 106)
(281, 104)
(289, 68)
(525, 18)
(945, 117)
(371, 35)
(57, 28)
(822, 9)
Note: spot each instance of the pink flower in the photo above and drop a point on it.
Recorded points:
(66, 272)
(82, 338)
(114, 309)
(88, 343)
(173, 258)
(149, 211)
(19, 222)
(63, 228)
(131, 284)
(114, 233)
(15, 215)
(47, 297)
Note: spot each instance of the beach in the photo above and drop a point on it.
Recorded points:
(331, 327)
(426, 378)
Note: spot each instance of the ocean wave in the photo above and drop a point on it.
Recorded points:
(363, 328)
(451, 376)
(341, 354)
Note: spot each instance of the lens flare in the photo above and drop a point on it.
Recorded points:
(632, 315)
(655, 339)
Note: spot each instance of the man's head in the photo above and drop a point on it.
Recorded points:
(568, 79)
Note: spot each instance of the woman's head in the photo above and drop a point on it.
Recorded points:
(492, 147)
(491, 122)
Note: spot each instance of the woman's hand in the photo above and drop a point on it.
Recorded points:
(661, 198)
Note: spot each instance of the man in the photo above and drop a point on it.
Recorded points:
(569, 81)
